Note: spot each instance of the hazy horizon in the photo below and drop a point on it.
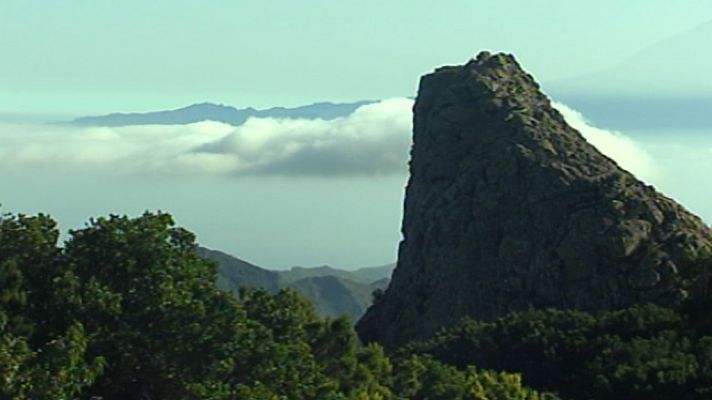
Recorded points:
(280, 192)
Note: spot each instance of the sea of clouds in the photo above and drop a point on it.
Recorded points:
(621, 148)
(318, 188)
(373, 140)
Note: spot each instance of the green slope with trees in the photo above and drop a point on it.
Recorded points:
(334, 292)
(645, 352)
(127, 309)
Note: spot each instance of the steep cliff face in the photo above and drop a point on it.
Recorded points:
(508, 207)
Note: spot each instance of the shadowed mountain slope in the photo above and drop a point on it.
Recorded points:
(234, 273)
(365, 275)
(334, 292)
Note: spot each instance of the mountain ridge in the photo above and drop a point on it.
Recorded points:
(220, 113)
(333, 291)
(366, 275)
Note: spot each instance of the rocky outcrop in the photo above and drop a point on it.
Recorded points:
(508, 207)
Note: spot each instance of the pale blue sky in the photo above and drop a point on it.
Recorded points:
(65, 58)
(77, 57)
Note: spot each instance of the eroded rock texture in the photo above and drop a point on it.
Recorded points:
(508, 207)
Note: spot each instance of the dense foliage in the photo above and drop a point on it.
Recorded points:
(644, 352)
(125, 309)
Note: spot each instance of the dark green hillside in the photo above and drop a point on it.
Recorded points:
(366, 275)
(333, 291)
(297, 273)
(642, 353)
(333, 296)
(234, 273)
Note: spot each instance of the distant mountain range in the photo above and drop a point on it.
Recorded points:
(220, 113)
(333, 291)
(363, 275)
(663, 86)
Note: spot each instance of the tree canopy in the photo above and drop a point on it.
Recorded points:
(643, 352)
(126, 309)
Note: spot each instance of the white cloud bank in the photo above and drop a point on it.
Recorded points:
(373, 140)
(626, 152)
(124, 150)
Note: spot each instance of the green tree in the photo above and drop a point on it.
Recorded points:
(42, 352)
(170, 328)
(642, 352)
(127, 310)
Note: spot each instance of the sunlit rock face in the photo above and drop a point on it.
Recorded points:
(508, 207)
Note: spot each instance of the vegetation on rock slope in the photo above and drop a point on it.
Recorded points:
(644, 352)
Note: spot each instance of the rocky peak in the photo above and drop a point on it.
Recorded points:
(508, 207)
